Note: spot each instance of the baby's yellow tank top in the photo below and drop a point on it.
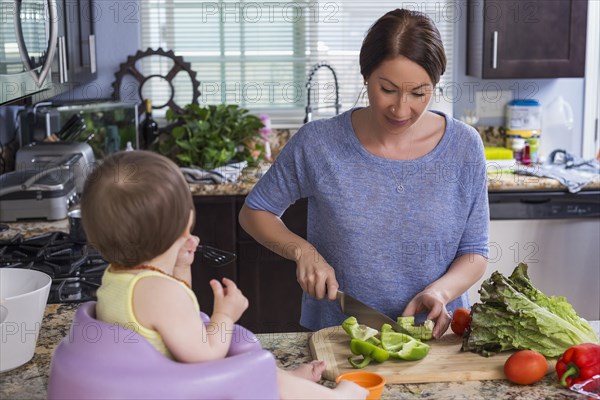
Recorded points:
(115, 304)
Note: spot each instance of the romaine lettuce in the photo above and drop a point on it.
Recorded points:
(515, 315)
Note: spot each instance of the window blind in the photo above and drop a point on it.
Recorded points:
(258, 54)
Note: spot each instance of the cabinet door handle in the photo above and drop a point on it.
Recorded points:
(65, 65)
(535, 200)
(61, 60)
(92, 42)
(495, 50)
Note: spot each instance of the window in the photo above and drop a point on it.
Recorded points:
(258, 54)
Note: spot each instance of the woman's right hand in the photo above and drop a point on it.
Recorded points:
(315, 276)
(229, 299)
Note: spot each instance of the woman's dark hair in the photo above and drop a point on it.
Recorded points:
(404, 33)
(135, 205)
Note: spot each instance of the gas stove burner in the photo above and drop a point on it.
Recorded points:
(76, 268)
(53, 253)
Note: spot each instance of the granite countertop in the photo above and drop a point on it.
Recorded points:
(290, 349)
(33, 228)
(500, 182)
(497, 182)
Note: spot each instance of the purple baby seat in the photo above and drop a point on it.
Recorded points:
(103, 361)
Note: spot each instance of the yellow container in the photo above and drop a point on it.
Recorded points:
(498, 153)
(525, 133)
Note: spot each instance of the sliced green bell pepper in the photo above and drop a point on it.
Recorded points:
(369, 351)
(419, 332)
(356, 331)
(366, 361)
(374, 341)
(411, 351)
(391, 340)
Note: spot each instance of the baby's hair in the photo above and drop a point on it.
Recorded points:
(134, 206)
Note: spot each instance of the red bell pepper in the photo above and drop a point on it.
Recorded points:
(578, 364)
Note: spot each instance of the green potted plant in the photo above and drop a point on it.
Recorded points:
(212, 136)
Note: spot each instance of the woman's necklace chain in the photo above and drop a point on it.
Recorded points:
(155, 269)
(399, 186)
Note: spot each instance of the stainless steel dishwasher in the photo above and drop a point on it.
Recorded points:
(557, 234)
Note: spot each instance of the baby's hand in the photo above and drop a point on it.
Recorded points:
(185, 257)
(229, 300)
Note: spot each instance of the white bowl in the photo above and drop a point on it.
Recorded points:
(23, 298)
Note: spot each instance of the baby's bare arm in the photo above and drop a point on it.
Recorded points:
(164, 306)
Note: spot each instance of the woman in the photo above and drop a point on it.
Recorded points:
(397, 195)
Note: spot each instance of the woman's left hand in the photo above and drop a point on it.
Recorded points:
(433, 301)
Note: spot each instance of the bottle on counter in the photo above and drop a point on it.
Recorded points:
(526, 158)
(149, 127)
(517, 147)
(534, 145)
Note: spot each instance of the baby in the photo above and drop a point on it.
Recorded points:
(137, 210)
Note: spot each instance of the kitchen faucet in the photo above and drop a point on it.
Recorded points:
(309, 108)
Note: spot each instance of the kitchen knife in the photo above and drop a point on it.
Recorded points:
(365, 314)
(75, 130)
(67, 126)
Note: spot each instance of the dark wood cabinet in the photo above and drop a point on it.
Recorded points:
(526, 38)
(266, 279)
(215, 225)
(269, 281)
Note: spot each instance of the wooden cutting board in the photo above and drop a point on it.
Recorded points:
(444, 363)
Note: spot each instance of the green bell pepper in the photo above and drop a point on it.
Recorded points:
(419, 332)
(402, 346)
(391, 340)
(369, 351)
(374, 341)
(356, 331)
(411, 351)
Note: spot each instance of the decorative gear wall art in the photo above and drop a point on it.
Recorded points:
(129, 68)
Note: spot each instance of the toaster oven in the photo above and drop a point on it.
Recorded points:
(34, 194)
(42, 156)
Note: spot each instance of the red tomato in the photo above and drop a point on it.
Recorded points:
(525, 367)
(461, 319)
